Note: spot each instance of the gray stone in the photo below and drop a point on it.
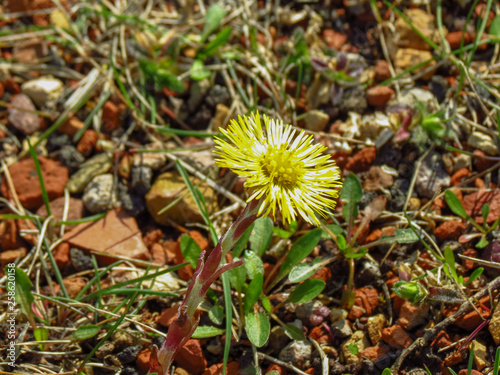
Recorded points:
(483, 142)
(141, 177)
(133, 204)
(341, 329)
(218, 95)
(44, 91)
(129, 354)
(197, 92)
(100, 194)
(432, 176)
(305, 310)
(79, 260)
(411, 96)
(316, 120)
(353, 99)
(70, 157)
(297, 352)
(104, 350)
(25, 122)
(94, 166)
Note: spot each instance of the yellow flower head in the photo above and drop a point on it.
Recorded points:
(282, 167)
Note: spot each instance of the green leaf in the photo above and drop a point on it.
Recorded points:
(475, 274)
(485, 210)
(449, 258)
(283, 233)
(213, 18)
(253, 264)
(483, 242)
(204, 332)
(257, 328)
(341, 242)
(303, 271)
(356, 253)
(335, 229)
(41, 334)
(23, 295)
(160, 73)
(198, 72)
(299, 250)
(307, 291)
(387, 371)
(266, 304)
(220, 39)
(190, 249)
(353, 348)
(216, 314)
(294, 332)
(253, 292)
(242, 242)
(86, 332)
(237, 276)
(261, 236)
(351, 193)
(455, 204)
(495, 27)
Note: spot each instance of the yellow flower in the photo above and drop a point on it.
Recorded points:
(282, 167)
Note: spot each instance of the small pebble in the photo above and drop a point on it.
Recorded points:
(70, 157)
(79, 260)
(100, 194)
(129, 354)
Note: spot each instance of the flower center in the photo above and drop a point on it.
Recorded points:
(282, 166)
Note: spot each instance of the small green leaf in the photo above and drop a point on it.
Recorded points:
(387, 371)
(216, 314)
(475, 274)
(261, 236)
(23, 295)
(449, 259)
(237, 276)
(303, 271)
(335, 229)
(220, 39)
(294, 332)
(41, 334)
(86, 332)
(299, 250)
(351, 193)
(198, 72)
(204, 332)
(190, 249)
(253, 292)
(307, 291)
(341, 242)
(495, 27)
(213, 18)
(257, 328)
(266, 304)
(353, 348)
(356, 253)
(242, 242)
(407, 235)
(483, 242)
(455, 204)
(253, 264)
(485, 210)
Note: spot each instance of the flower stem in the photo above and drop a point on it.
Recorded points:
(207, 271)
